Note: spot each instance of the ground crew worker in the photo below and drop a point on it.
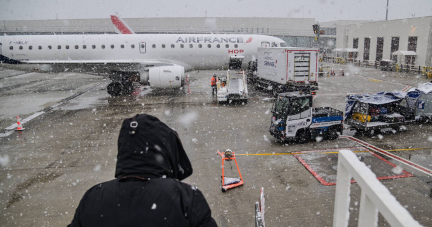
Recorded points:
(213, 84)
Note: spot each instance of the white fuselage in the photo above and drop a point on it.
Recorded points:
(192, 51)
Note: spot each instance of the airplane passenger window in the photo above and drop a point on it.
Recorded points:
(172, 46)
(84, 46)
(209, 45)
(199, 45)
(122, 46)
(190, 45)
(49, 47)
(40, 47)
(76, 46)
(30, 47)
(163, 45)
(154, 45)
(218, 46)
(10, 47)
(112, 46)
(94, 46)
(103, 46)
(235, 46)
(181, 45)
(67, 46)
(132, 46)
(227, 45)
(59, 47)
(20, 47)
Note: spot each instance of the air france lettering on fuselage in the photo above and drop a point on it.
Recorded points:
(210, 40)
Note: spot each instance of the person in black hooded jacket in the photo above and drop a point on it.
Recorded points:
(147, 190)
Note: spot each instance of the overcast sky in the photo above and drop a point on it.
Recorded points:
(321, 10)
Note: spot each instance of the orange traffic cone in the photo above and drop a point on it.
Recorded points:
(19, 127)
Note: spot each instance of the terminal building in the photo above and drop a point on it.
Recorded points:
(409, 41)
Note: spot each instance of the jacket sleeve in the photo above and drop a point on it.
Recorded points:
(76, 221)
(201, 211)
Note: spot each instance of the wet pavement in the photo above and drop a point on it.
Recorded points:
(73, 146)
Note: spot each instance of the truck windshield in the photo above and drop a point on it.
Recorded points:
(299, 105)
(281, 106)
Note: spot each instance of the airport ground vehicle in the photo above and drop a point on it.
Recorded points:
(286, 69)
(369, 113)
(294, 119)
(232, 88)
(387, 65)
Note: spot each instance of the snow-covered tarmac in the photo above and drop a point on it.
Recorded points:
(46, 169)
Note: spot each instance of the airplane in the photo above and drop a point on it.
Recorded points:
(158, 60)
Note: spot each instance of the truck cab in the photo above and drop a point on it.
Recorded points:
(293, 118)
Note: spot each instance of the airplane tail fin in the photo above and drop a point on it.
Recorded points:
(120, 26)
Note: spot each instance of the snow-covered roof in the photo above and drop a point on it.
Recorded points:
(404, 52)
(337, 49)
(378, 98)
(425, 88)
(350, 50)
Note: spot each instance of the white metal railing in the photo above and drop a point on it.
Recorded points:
(375, 197)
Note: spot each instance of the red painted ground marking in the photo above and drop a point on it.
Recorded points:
(325, 183)
(379, 150)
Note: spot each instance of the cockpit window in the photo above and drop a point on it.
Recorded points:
(274, 44)
(283, 44)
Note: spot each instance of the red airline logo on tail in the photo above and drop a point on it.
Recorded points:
(249, 40)
(120, 25)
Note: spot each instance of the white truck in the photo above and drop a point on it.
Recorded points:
(232, 88)
(286, 69)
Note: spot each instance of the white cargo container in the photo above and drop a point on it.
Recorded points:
(284, 69)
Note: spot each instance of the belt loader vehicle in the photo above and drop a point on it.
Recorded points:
(285, 69)
(294, 119)
(233, 88)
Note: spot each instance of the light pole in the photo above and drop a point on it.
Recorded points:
(387, 10)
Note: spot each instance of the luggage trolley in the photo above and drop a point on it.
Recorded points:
(228, 183)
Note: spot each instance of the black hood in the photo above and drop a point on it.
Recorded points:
(154, 150)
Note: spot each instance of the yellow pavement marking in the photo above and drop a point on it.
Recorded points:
(330, 152)
(375, 80)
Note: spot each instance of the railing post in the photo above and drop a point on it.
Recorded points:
(368, 216)
(342, 201)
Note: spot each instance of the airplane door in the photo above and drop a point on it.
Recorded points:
(142, 47)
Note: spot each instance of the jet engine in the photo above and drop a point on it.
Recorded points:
(162, 77)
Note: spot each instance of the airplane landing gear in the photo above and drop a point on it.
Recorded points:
(114, 88)
(117, 88)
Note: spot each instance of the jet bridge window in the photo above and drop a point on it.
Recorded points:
(30, 47)
(112, 46)
(181, 46)
(172, 46)
(235, 46)
(10, 47)
(154, 45)
(59, 47)
(20, 47)
(67, 47)
(76, 46)
(40, 47)
(199, 45)
(163, 45)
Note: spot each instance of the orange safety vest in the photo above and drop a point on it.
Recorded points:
(213, 81)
